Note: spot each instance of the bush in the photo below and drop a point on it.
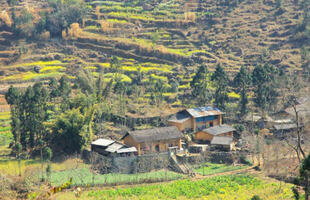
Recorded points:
(64, 15)
(256, 197)
(12, 2)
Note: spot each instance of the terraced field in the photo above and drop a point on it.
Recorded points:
(165, 38)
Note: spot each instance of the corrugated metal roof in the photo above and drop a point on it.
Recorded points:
(221, 140)
(204, 111)
(102, 142)
(155, 134)
(127, 150)
(220, 129)
(114, 147)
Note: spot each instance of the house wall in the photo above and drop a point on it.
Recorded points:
(129, 141)
(217, 121)
(150, 147)
(201, 135)
(181, 126)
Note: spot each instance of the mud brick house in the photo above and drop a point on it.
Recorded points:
(206, 135)
(154, 140)
(222, 143)
(196, 118)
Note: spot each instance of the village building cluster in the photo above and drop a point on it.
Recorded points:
(205, 124)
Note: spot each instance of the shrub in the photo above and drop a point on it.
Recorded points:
(74, 30)
(12, 2)
(256, 197)
(190, 16)
(64, 14)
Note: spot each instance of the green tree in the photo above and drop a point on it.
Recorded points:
(53, 87)
(264, 79)
(220, 80)
(23, 24)
(29, 112)
(304, 173)
(242, 83)
(13, 98)
(68, 132)
(199, 86)
(64, 87)
(64, 14)
(13, 2)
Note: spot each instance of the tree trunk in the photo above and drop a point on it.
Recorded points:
(306, 187)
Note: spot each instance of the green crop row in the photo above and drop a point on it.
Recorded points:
(84, 176)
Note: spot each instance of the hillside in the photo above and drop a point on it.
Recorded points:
(167, 38)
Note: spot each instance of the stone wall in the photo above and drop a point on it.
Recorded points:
(130, 164)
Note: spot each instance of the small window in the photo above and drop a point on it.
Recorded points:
(157, 147)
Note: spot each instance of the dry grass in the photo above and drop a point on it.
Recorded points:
(190, 16)
(4, 16)
(45, 36)
(106, 26)
(74, 30)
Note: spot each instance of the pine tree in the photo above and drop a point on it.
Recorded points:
(264, 81)
(199, 86)
(221, 80)
(241, 83)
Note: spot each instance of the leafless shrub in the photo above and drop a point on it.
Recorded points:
(190, 16)
(106, 26)
(74, 30)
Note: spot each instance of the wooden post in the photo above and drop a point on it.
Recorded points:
(180, 144)
(220, 120)
(138, 149)
(194, 124)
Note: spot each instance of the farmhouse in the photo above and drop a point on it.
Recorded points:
(206, 135)
(283, 130)
(154, 140)
(111, 147)
(196, 118)
(222, 143)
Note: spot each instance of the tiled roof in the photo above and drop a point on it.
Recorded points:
(102, 142)
(155, 134)
(220, 129)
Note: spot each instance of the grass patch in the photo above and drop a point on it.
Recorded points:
(4, 116)
(83, 176)
(234, 95)
(211, 168)
(10, 166)
(5, 138)
(124, 78)
(52, 69)
(5, 129)
(32, 75)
